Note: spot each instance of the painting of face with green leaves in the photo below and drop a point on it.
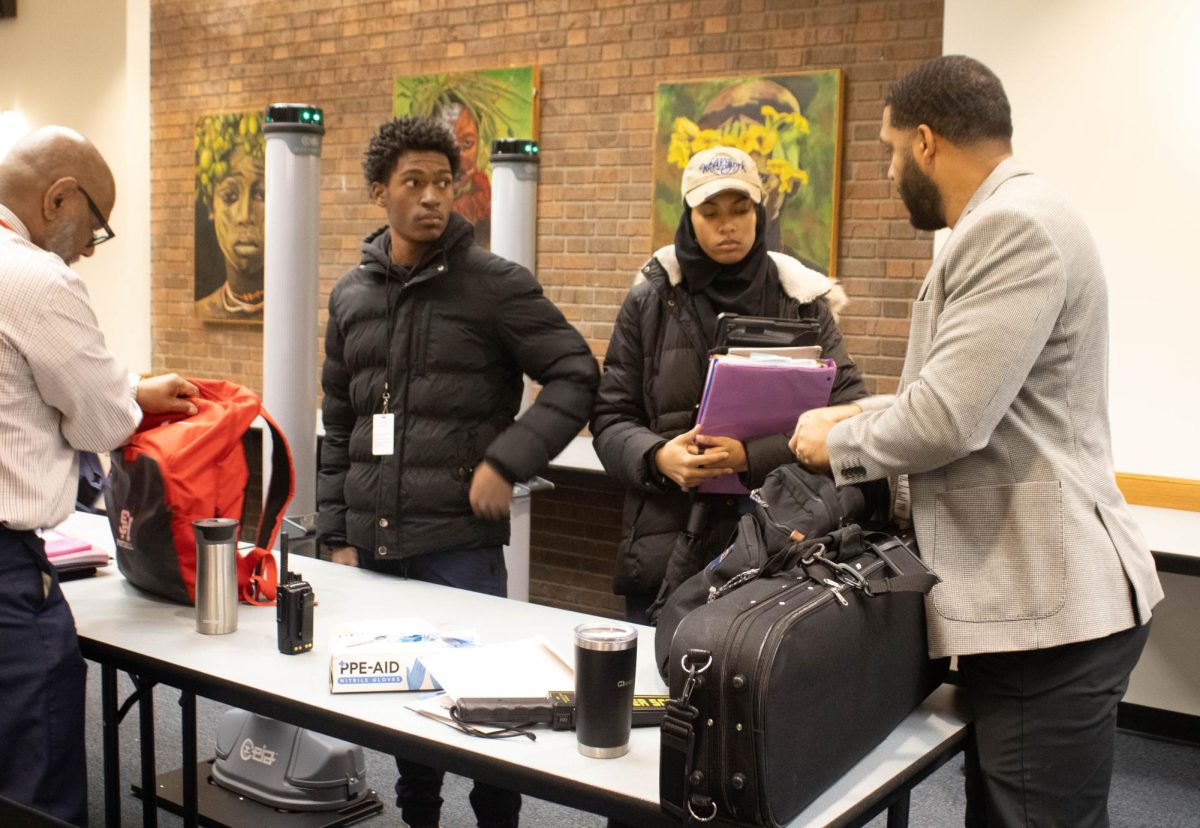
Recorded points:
(477, 107)
(230, 209)
(791, 125)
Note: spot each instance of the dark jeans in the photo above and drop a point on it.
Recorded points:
(418, 790)
(42, 686)
(1045, 725)
(637, 607)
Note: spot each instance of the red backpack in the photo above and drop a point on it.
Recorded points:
(178, 469)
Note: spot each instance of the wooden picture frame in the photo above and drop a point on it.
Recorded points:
(790, 124)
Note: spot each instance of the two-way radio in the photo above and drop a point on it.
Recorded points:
(293, 607)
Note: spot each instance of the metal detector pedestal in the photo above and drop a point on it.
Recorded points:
(219, 808)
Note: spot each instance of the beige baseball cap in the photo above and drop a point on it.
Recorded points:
(716, 170)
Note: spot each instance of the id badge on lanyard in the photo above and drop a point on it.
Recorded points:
(383, 428)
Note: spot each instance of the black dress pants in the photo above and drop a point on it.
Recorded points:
(42, 685)
(1045, 726)
(418, 790)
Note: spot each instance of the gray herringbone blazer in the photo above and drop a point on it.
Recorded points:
(1001, 424)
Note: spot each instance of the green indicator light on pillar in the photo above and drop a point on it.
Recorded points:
(293, 116)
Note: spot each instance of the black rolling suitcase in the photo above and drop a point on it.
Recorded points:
(784, 680)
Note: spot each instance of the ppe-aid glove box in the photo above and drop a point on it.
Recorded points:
(385, 655)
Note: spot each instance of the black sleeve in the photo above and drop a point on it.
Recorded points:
(621, 433)
(549, 349)
(338, 419)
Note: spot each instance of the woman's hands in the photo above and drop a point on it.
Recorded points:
(692, 457)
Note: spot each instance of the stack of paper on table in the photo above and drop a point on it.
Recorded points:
(747, 397)
(525, 668)
(528, 668)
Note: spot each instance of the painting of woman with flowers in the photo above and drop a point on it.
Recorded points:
(791, 125)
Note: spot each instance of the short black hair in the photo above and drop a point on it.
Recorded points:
(957, 97)
(402, 135)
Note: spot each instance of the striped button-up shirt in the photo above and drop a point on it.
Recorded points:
(60, 387)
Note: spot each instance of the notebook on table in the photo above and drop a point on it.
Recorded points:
(72, 556)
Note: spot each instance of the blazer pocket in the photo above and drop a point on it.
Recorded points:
(1000, 553)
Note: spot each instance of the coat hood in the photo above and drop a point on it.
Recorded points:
(377, 246)
(799, 282)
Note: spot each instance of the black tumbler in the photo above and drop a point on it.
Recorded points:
(605, 665)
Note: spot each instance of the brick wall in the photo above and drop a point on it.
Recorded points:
(573, 541)
(599, 63)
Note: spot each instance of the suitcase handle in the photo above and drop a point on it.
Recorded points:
(921, 579)
(829, 551)
(678, 781)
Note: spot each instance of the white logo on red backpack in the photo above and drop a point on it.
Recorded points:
(125, 530)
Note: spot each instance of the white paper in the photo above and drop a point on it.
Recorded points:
(527, 667)
(803, 352)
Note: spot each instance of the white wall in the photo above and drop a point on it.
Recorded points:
(1106, 104)
(1104, 97)
(86, 64)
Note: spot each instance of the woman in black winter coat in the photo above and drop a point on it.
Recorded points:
(654, 370)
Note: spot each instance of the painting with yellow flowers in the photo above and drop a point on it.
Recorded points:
(790, 124)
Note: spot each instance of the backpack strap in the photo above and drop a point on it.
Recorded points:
(263, 571)
(263, 580)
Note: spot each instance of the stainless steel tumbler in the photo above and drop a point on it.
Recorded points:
(605, 666)
(216, 575)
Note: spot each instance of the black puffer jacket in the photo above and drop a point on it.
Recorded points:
(653, 378)
(453, 336)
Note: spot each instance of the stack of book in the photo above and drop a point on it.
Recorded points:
(752, 393)
(72, 557)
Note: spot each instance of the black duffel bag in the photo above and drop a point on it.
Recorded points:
(792, 506)
(792, 669)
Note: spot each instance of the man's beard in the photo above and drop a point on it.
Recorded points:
(922, 197)
(61, 241)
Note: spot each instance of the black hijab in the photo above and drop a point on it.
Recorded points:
(744, 287)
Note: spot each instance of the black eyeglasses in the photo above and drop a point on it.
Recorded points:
(105, 232)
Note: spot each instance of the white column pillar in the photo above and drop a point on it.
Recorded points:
(293, 178)
(514, 236)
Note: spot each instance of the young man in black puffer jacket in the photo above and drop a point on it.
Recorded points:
(435, 332)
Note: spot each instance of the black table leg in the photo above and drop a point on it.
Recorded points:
(146, 733)
(187, 701)
(898, 811)
(111, 728)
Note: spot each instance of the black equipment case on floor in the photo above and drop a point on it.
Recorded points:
(785, 681)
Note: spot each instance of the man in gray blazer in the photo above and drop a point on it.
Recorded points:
(998, 446)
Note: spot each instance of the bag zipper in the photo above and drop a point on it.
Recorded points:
(772, 644)
(736, 635)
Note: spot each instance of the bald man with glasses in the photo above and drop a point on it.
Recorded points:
(61, 392)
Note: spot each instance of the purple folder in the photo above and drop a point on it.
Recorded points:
(748, 398)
